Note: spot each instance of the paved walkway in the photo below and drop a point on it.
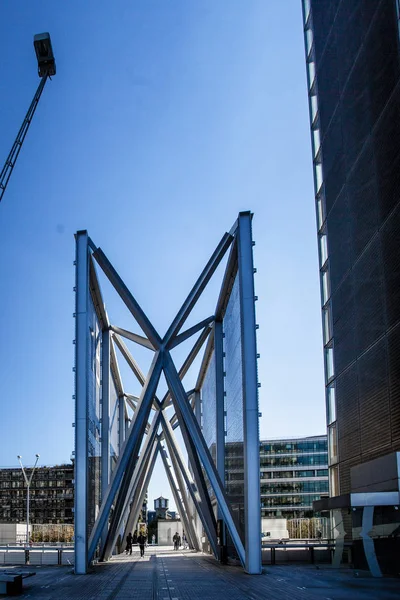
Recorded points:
(168, 575)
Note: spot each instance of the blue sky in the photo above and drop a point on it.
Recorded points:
(164, 120)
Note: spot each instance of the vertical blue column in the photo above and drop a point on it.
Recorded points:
(81, 401)
(250, 397)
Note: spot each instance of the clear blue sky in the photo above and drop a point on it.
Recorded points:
(164, 120)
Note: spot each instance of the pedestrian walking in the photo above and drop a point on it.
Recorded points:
(141, 541)
(128, 548)
(184, 541)
(175, 539)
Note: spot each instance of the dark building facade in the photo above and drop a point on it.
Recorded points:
(354, 85)
(51, 495)
(353, 71)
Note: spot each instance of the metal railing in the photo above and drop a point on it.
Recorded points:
(38, 554)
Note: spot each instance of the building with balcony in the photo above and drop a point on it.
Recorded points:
(51, 495)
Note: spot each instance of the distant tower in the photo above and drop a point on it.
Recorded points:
(161, 507)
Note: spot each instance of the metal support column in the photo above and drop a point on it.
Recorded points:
(250, 397)
(19, 140)
(81, 401)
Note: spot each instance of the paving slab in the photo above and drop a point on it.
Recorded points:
(167, 575)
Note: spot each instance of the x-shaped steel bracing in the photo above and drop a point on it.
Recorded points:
(122, 499)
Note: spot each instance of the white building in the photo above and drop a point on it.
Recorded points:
(166, 529)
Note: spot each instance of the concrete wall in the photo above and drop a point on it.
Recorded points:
(10, 533)
(166, 531)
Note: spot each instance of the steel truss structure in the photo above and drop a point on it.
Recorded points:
(113, 466)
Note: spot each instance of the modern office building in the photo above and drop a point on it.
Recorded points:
(51, 495)
(353, 72)
(293, 474)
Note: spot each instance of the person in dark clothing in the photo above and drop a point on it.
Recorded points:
(141, 541)
(128, 544)
(175, 540)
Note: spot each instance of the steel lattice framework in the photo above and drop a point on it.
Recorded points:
(123, 481)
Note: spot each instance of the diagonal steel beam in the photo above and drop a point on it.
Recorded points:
(174, 419)
(134, 337)
(142, 488)
(198, 288)
(198, 487)
(115, 369)
(206, 359)
(189, 332)
(182, 488)
(227, 282)
(119, 516)
(129, 359)
(132, 403)
(127, 298)
(178, 501)
(130, 449)
(189, 361)
(188, 420)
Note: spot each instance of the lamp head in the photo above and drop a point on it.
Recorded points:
(44, 54)
(37, 455)
(19, 457)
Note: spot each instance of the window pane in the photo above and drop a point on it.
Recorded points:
(333, 453)
(331, 402)
(329, 363)
(325, 287)
(323, 244)
(334, 481)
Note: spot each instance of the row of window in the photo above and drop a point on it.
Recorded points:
(294, 487)
(294, 447)
(293, 474)
(238, 476)
(36, 484)
(48, 517)
(304, 501)
(300, 460)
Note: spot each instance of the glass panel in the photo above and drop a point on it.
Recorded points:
(316, 141)
(334, 481)
(323, 244)
(314, 108)
(325, 287)
(311, 73)
(330, 371)
(94, 415)
(234, 444)
(333, 450)
(307, 8)
(331, 403)
(327, 324)
(318, 177)
(309, 40)
(320, 212)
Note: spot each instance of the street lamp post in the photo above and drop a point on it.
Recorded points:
(28, 486)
